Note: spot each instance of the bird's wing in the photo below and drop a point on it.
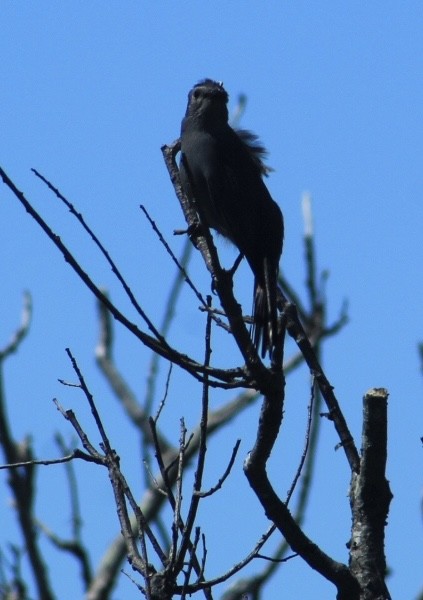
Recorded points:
(257, 151)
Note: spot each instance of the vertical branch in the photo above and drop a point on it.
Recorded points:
(370, 497)
(76, 544)
(21, 481)
(168, 316)
(309, 248)
(177, 520)
(198, 478)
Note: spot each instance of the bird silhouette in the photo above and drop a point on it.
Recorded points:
(222, 170)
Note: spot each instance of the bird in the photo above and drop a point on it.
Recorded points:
(222, 170)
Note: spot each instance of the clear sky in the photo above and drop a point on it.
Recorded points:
(89, 93)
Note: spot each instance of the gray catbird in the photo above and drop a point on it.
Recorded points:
(222, 169)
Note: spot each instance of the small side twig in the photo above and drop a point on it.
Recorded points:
(202, 450)
(22, 331)
(296, 331)
(76, 545)
(222, 479)
(182, 269)
(105, 253)
(306, 446)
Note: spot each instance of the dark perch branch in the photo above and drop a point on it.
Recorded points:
(370, 497)
(314, 319)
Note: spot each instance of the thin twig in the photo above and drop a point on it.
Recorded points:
(306, 445)
(75, 454)
(106, 255)
(173, 257)
(198, 477)
(229, 378)
(22, 330)
(297, 332)
(91, 402)
(190, 563)
(222, 479)
(163, 400)
(177, 520)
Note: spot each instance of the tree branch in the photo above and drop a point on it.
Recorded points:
(22, 481)
(370, 497)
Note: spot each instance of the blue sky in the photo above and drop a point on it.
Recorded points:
(90, 91)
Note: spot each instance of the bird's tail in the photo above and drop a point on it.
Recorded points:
(265, 327)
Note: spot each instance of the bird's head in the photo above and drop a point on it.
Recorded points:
(208, 101)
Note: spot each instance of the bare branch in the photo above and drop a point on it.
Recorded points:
(231, 378)
(198, 478)
(77, 546)
(182, 270)
(306, 446)
(309, 248)
(22, 330)
(104, 356)
(277, 511)
(370, 497)
(106, 255)
(73, 547)
(190, 563)
(222, 479)
(22, 480)
(297, 332)
(53, 461)
(177, 521)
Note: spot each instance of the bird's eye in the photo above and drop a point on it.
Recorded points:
(197, 94)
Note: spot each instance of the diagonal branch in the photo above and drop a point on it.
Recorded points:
(228, 378)
(296, 331)
(106, 255)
